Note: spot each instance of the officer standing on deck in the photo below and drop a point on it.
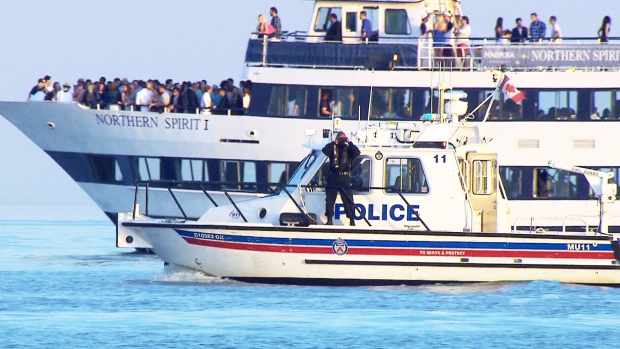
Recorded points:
(341, 153)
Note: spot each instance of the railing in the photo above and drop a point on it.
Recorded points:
(165, 110)
(276, 188)
(531, 223)
(421, 53)
(202, 186)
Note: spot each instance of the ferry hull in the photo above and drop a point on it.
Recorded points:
(349, 256)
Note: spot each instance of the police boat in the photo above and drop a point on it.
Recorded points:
(430, 207)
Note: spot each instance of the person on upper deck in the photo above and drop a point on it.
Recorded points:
(334, 32)
(499, 29)
(556, 32)
(538, 29)
(275, 23)
(64, 96)
(462, 37)
(342, 154)
(262, 27)
(519, 33)
(366, 26)
(603, 31)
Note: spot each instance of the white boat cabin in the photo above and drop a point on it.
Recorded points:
(390, 20)
(414, 176)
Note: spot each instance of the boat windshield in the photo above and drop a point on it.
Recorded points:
(304, 167)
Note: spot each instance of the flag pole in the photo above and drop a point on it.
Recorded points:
(500, 82)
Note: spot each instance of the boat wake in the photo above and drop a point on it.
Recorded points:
(177, 274)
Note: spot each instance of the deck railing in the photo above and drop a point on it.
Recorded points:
(299, 50)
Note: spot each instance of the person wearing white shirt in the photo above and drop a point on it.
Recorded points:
(556, 32)
(145, 95)
(205, 101)
(64, 96)
(462, 39)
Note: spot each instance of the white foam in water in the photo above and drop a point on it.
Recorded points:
(177, 274)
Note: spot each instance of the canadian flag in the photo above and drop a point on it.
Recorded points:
(511, 91)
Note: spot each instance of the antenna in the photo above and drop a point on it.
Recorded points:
(372, 72)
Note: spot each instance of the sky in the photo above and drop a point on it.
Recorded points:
(182, 40)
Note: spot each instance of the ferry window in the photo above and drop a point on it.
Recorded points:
(392, 103)
(149, 168)
(396, 22)
(238, 172)
(288, 100)
(603, 103)
(554, 183)
(344, 102)
(106, 168)
(351, 21)
(405, 176)
(557, 105)
(322, 17)
(360, 174)
(431, 102)
(279, 172)
(326, 103)
(194, 170)
(501, 109)
(482, 177)
(512, 179)
(372, 13)
(616, 171)
(118, 175)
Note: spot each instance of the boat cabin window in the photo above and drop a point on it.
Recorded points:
(351, 22)
(238, 172)
(194, 170)
(392, 103)
(372, 13)
(396, 22)
(279, 172)
(405, 175)
(361, 180)
(501, 108)
(322, 17)
(106, 168)
(482, 177)
(557, 105)
(340, 102)
(554, 183)
(149, 168)
(288, 100)
(605, 105)
(512, 179)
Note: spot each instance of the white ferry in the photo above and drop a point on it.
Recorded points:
(567, 86)
(430, 208)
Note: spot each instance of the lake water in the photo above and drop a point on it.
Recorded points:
(64, 285)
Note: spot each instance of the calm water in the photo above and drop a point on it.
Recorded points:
(64, 285)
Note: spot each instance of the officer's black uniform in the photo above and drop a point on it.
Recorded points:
(341, 156)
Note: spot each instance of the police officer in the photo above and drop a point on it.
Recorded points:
(341, 153)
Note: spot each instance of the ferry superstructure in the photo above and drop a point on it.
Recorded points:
(393, 80)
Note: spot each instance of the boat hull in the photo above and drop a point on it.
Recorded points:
(350, 256)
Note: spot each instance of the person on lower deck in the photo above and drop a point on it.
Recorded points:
(341, 153)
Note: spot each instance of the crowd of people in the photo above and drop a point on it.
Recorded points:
(151, 95)
(444, 29)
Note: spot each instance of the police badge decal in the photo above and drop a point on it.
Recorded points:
(340, 247)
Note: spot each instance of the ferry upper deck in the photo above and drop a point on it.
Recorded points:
(397, 43)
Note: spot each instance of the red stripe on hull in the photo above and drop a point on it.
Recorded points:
(404, 251)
